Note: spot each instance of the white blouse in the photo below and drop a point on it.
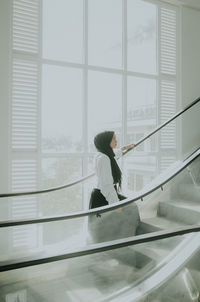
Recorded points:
(104, 176)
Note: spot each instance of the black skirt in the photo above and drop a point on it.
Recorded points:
(113, 224)
(98, 200)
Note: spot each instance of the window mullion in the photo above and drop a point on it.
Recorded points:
(124, 75)
(85, 88)
(85, 107)
(158, 85)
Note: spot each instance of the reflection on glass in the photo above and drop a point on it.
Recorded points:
(63, 30)
(105, 33)
(59, 171)
(104, 104)
(138, 171)
(140, 165)
(141, 99)
(17, 296)
(101, 276)
(113, 225)
(64, 236)
(25, 237)
(61, 109)
(142, 36)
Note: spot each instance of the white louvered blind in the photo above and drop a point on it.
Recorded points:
(168, 108)
(168, 41)
(26, 25)
(25, 114)
(166, 162)
(24, 174)
(24, 104)
(24, 178)
(168, 84)
(25, 236)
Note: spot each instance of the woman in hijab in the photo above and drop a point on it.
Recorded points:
(107, 170)
(120, 223)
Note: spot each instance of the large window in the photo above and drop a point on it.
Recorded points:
(104, 104)
(142, 36)
(105, 33)
(80, 67)
(61, 116)
(62, 30)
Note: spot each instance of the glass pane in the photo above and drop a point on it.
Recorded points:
(149, 264)
(141, 102)
(105, 33)
(125, 274)
(113, 225)
(56, 172)
(140, 165)
(61, 109)
(104, 104)
(59, 171)
(142, 36)
(63, 30)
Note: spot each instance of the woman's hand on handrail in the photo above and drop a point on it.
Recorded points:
(128, 147)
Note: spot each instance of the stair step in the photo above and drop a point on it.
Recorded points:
(107, 273)
(187, 203)
(156, 253)
(158, 223)
(187, 212)
(189, 192)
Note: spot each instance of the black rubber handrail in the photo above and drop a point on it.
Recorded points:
(91, 175)
(47, 190)
(165, 123)
(101, 247)
(120, 204)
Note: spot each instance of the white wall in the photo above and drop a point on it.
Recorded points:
(190, 85)
(5, 12)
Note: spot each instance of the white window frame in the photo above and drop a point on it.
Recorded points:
(85, 67)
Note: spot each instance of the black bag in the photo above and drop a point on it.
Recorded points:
(98, 200)
(113, 224)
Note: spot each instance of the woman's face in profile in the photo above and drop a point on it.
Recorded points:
(113, 143)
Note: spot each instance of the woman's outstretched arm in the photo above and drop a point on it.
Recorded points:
(127, 147)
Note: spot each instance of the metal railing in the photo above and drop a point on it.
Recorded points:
(101, 247)
(6, 266)
(104, 209)
(91, 175)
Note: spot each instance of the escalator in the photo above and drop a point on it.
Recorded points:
(149, 251)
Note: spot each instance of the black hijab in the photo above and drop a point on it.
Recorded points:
(102, 143)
